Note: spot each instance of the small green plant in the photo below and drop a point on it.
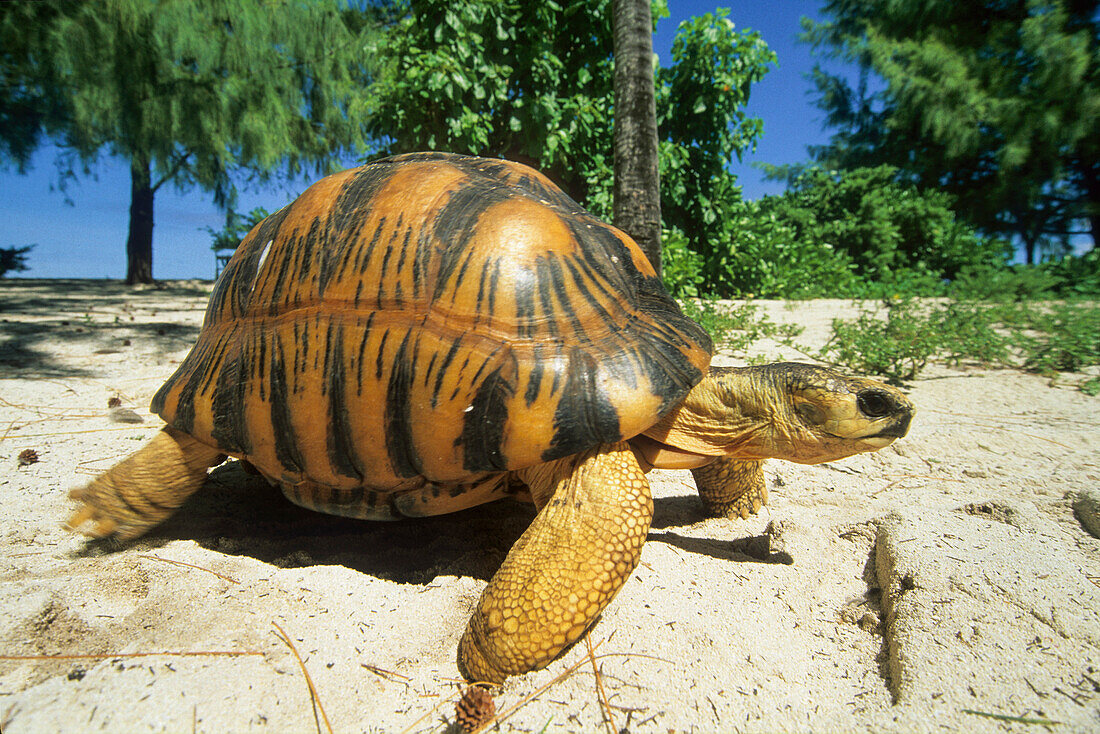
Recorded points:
(896, 347)
(735, 327)
(1048, 339)
(1064, 338)
(969, 332)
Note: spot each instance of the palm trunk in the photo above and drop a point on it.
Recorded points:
(637, 189)
(139, 242)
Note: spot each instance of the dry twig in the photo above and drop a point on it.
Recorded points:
(609, 719)
(189, 565)
(113, 655)
(314, 698)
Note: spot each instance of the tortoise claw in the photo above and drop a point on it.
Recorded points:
(102, 525)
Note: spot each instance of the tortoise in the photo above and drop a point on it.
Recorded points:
(430, 332)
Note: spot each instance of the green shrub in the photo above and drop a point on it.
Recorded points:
(1065, 338)
(735, 327)
(1077, 275)
(765, 258)
(891, 231)
(896, 347)
(1005, 283)
(1050, 338)
(682, 267)
(1073, 276)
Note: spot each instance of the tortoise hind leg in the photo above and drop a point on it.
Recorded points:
(595, 511)
(732, 487)
(145, 488)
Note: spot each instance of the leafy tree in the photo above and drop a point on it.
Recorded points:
(533, 82)
(637, 192)
(530, 82)
(702, 126)
(186, 91)
(237, 225)
(997, 102)
(13, 259)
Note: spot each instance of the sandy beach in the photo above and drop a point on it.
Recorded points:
(944, 583)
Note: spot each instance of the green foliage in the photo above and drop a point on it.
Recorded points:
(1069, 277)
(896, 347)
(683, 267)
(1075, 275)
(13, 259)
(888, 233)
(1048, 338)
(533, 82)
(702, 126)
(767, 258)
(735, 327)
(997, 102)
(526, 81)
(1062, 339)
(196, 88)
(186, 91)
(236, 227)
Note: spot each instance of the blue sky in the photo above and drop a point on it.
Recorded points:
(87, 238)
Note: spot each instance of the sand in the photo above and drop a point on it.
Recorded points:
(938, 584)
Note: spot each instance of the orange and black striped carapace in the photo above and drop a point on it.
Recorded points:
(431, 319)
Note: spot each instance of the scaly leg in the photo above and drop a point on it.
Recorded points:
(561, 573)
(145, 488)
(732, 487)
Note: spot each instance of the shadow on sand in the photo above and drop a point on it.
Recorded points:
(238, 513)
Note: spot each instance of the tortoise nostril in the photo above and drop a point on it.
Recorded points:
(874, 404)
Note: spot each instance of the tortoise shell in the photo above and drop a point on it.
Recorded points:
(430, 317)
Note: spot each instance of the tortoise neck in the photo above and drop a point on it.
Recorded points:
(730, 410)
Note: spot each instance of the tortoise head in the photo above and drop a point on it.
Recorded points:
(788, 410)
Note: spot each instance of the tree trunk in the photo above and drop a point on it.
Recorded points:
(1092, 201)
(637, 189)
(139, 243)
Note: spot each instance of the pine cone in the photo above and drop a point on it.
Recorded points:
(28, 457)
(475, 708)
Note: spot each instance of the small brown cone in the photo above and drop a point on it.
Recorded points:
(475, 708)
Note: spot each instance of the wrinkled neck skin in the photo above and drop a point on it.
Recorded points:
(752, 426)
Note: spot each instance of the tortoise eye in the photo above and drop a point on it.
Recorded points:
(873, 404)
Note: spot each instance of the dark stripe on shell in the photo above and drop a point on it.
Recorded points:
(398, 418)
(443, 370)
(227, 404)
(535, 378)
(584, 416)
(483, 426)
(282, 427)
(340, 442)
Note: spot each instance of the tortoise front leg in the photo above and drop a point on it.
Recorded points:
(732, 487)
(562, 572)
(145, 488)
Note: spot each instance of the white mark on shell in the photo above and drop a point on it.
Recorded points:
(263, 255)
(260, 264)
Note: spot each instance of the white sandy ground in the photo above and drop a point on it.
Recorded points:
(898, 591)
